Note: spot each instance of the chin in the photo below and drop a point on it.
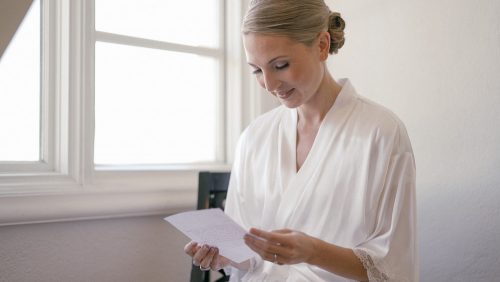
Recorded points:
(289, 104)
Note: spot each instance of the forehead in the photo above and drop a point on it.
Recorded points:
(260, 48)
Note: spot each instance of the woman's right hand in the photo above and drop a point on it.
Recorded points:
(206, 257)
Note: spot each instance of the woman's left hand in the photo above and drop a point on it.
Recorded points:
(282, 246)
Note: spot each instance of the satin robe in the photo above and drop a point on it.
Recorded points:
(356, 189)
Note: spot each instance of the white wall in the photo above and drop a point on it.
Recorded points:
(436, 64)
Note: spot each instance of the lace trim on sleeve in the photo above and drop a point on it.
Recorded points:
(374, 273)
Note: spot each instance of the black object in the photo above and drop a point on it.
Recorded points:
(212, 191)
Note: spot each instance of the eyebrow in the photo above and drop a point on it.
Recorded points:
(270, 61)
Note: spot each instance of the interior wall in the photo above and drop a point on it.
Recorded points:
(436, 64)
(126, 249)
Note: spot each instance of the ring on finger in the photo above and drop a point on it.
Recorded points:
(204, 268)
(275, 258)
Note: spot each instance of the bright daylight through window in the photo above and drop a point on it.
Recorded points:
(20, 92)
(158, 81)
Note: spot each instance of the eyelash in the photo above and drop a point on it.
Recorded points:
(281, 67)
(277, 67)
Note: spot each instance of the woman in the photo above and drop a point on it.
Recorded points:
(326, 182)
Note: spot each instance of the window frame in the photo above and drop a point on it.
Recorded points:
(70, 187)
(217, 53)
(58, 122)
(46, 162)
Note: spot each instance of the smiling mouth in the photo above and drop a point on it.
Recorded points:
(285, 95)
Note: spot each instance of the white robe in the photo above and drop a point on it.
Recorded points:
(356, 189)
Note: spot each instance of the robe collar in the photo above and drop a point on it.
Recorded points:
(294, 184)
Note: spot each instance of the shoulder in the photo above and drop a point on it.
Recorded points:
(265, 124)
(377, 115)
(366, 113)
(261, 133)
(268, 118)
(381, 123)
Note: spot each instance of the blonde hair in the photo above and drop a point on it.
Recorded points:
(299, 20)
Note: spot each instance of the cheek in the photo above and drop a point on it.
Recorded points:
(295, 77)
(299, 78)
(307, 77)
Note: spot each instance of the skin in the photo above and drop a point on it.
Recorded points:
(280, 65)
(297, 75)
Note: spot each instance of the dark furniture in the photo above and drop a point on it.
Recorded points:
(212, 190)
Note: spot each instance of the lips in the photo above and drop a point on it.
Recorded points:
(284, 94)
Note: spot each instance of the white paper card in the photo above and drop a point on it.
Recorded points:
(213, 227)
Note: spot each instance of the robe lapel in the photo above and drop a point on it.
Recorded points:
(285, 172)
(286, 150)
(295, 185)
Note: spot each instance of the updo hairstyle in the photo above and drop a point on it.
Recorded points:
(299, 20)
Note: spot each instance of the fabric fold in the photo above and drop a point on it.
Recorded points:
(356, 188)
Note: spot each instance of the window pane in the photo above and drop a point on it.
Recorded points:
(20, 92)
(153, 106)
(190, 22)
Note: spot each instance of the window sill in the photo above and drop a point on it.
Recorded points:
(84, 203)
(111, 194)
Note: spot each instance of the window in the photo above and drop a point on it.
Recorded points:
(159, 76)
(114, 86)
(20, 92)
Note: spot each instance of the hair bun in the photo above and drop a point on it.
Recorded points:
(336, 27)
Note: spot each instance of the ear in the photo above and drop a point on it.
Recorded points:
(324, 45)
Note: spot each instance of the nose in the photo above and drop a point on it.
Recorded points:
(270, 82)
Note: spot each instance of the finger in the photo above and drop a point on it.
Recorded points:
(195, 250)
(264, 245)
(215, 264)
(200, 254)
(207, 260)
(270, 236)
(190, 248)
(264, 255)
(283, 231)
(265, 249)
(276, 242)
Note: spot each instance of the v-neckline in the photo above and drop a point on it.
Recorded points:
(314, 144)
(288, 144)
(293, 183)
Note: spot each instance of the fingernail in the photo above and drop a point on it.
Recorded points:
(250, 235)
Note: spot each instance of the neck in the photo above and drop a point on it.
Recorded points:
(314, 111)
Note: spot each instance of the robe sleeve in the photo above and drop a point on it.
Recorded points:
(234, 199)
(389, 253)
(235, 203)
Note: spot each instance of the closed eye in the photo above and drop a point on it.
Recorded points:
(281, 66)
(256, 71)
